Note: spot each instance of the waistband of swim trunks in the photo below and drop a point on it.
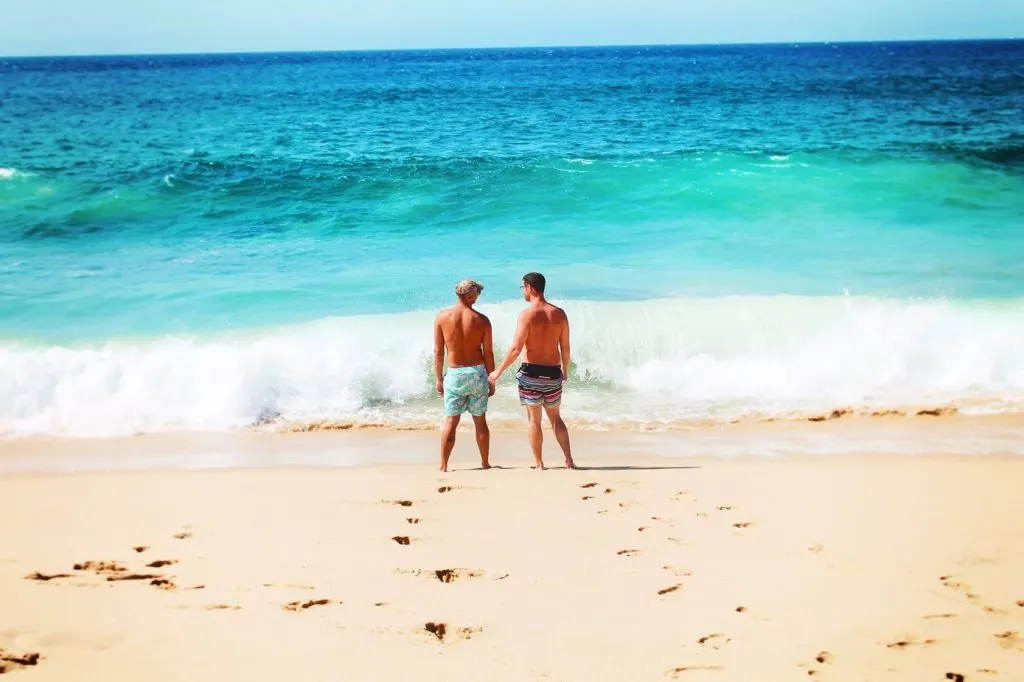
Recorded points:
(466, 370)
(535, 371)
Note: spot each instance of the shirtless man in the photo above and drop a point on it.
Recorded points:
(466, 335)
(543, 330)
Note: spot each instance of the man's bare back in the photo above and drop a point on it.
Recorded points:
(544, 324)
(463, 330)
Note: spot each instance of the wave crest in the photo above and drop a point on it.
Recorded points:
(660, 361)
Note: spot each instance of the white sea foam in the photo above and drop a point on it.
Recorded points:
(655, 361)
(7, 173)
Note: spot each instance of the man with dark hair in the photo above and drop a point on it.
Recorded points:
(543, 331)
(466, 335)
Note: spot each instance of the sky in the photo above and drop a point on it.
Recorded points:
(66, 27)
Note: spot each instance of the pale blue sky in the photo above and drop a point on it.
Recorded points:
(141, 26)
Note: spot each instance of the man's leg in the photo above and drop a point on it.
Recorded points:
(448, 439)
(561, 433)
(536, 436)
(483, 440)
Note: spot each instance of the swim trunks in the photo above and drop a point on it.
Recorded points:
(539, 384)
(465, 390)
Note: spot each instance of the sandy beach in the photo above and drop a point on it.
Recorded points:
(895, 567)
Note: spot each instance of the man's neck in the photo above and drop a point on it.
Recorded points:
(463, 304)
(538, 300)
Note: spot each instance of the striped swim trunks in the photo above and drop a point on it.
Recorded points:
(539, 384)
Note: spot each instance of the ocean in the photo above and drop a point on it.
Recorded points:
(216, 242)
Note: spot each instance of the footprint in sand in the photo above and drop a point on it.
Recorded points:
(1010, 640)
(182, 536)
(10, 661)
(223, 607)
(724, 507)
(100, 567)
(906, 643)
(742, 524)
(402, 539)
(677, 672)
(450, 575)
(956, 677)
(668, 590)
(133, 577)
(446, 489)
(823, 657)
(587, 497)
(588, 485)
(955, 584)
(412, 520)
(609, 491)
(140, 548)
(300, 605)
(400, 503)
(443, 630)
(627, 552)
(46, 577)
(161, 563)
(713, 641)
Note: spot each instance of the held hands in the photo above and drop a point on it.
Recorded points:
(492, 379)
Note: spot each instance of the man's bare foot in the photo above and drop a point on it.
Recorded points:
(444, 470)
(569, 464)
(485, 465)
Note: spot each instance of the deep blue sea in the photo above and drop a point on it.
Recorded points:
(204, 242)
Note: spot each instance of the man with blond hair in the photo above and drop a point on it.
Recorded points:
(466, 336)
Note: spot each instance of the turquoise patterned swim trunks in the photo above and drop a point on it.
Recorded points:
(465, 390)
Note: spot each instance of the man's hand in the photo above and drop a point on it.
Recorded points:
(439, 386)
(565, 374)
(492, 379)
(490, 389)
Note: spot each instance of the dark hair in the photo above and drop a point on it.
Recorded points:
(535, 280)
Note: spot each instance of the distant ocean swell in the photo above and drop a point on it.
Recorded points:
(198, 193)
(649, 362)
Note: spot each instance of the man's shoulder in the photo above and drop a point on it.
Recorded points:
(446, 314)
(557, 313)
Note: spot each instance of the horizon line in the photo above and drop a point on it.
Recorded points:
(765, 43)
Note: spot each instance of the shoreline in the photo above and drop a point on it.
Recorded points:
(991, 436)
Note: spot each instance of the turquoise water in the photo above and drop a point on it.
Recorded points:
(202, 242)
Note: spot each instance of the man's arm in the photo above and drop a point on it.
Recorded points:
(563, 348)
(518, 342)
(488, 347)
(438, 356)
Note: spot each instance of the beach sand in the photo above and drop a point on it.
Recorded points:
(836, 568)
